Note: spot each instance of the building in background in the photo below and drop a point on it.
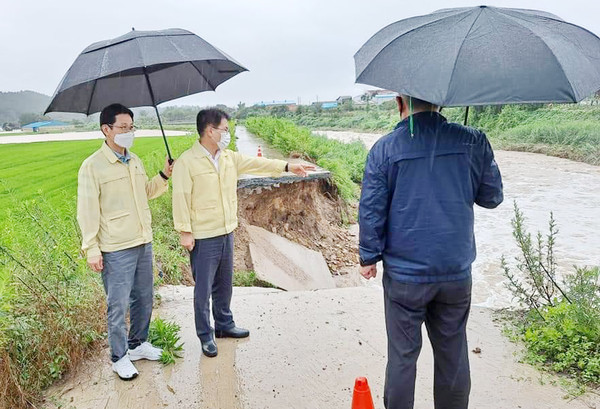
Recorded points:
(344, 99)
(46, 126)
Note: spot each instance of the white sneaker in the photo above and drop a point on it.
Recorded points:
(125, 369)
(145, 351)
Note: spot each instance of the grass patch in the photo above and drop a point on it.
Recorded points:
(345, 161)
(48, 170)
(249, 279)
(577, 140)
(165, 335)
(233, 144)
(570, 131)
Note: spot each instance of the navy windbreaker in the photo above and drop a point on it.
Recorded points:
(416, 206)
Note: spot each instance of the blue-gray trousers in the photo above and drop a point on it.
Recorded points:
(212, 269)
(128, 283)
(444, 308)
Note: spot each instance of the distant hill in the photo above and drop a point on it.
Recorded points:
(14, 104)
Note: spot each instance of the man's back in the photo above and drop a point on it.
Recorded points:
(416, 210)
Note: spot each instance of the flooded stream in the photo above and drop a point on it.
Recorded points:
(539, 184)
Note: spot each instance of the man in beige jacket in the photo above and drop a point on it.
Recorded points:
(205, 213)
(115, 221)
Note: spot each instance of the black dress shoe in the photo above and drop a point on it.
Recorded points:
(235, 332)
(209, 348)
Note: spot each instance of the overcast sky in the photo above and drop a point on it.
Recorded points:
(294, 49)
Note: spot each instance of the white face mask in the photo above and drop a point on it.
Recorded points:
(225, 140)
(124, 140)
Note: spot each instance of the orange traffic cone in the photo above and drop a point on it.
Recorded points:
(259, 153)
(362, 399)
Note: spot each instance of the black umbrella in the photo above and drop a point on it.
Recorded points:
(483, 56)
(142, 68)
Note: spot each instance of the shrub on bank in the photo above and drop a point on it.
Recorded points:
(577, 140)
(53, 311)
(345, 161)
(561, 322)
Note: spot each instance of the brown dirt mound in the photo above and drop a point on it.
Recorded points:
(308, 213)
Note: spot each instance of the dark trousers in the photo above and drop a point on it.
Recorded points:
(444, 308)
(212, 269)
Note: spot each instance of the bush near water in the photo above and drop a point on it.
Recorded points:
(560, 323)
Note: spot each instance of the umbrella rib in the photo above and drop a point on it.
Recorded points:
(203, 76)
(458, 53)
(409, 31)
(517, 17)
(501, 11)
(551, 52)
(137, 40)
(97, 45)
(150, 91)
(180, 52)
(175, 46)
(87, 112)
(403, 34)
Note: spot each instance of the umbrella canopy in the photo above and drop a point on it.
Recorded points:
(483, 56)
(142, 68)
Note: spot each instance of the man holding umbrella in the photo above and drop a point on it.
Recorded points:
(421, 180)
(416, 215)
(115, 221)
(139, 68)
(205, 213)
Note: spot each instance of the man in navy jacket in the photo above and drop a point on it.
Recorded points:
(416, 215)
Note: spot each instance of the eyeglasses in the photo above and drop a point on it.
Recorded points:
(219, 129)
(131, 128)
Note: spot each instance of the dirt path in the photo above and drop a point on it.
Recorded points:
(305, 362)
(539, 184)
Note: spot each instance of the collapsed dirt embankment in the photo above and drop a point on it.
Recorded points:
(308, 212)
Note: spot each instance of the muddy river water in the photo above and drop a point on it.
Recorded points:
(539, 185)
